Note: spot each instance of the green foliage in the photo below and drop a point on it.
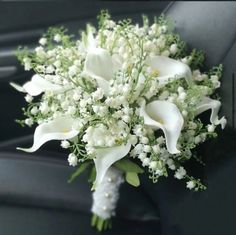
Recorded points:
(145, 21)
(21, 53)
(132, 178)
(198, 185)
(165, 20)
(79, 171)
(216, 70)
(131, 170)
(102, 18)
(66, 39)
(100, 224)
(128, 166)
(92, 175)
(197, 59)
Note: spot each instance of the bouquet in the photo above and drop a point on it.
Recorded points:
(123, 99)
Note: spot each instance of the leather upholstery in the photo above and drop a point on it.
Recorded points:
(35, 197)
(207, 26)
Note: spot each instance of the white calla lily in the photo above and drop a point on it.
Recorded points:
(169, 69)
(207, 103)
(105, 157)
(99, 65)
(166, 116)
(60, 128)
(36, 86)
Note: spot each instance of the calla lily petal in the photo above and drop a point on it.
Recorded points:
(57, 129)
(207, 103)
(99, 63)
(102, 83)
(91, 42)
(169, 69)
(37, 85)
(17, 87)
(166, 116)
(105, 157)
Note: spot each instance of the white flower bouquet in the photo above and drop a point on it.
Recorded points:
(123, 99)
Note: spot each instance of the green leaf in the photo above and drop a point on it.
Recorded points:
(79, 170)
(132, 178)
(92, 175)
(128, 166)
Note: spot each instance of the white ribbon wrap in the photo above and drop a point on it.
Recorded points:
(106, 195)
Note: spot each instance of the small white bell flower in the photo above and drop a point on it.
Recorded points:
(72, 159)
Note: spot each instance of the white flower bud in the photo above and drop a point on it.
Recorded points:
(43, 41)
(28, 98)
(57, 38)
(57, 63)
(71, 110)
(142, 156)
(211, 128)
(144, 140)
(146, 161)
(44, 108)
(72, 159)
(190, 184)
(197, 139)
(50, 69)
(184, 113)
(29, 121)
(165, 53)
(180, 89)
(153, 165)
(156, 148)
(65, 144)
(173, 49)
(133, 139)
(180, 173)
(182, 96)
(163, 29)
(147, 148)
(73, 70)
(185, 60)
(34, 110)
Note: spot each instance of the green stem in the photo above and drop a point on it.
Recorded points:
(100, 224)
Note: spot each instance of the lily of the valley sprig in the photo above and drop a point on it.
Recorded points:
(123, 99)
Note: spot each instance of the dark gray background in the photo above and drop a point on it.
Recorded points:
(34, 195)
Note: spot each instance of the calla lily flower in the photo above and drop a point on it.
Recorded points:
(105, 157)
(169, 69)
(57, 129)
(100, 66)
(166, 116)
(36, 86)
(207, 103)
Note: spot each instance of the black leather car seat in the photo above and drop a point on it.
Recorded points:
(35, 193)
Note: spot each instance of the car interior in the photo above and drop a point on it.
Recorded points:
(35, 197)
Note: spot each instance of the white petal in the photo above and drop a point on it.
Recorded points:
(57, 129)
(169, 69)
(166, 116)
(37, 85)
(208, 103)
(99, 63)
(17, 87)
(91, 42)
(102, 83)
(105, 157)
